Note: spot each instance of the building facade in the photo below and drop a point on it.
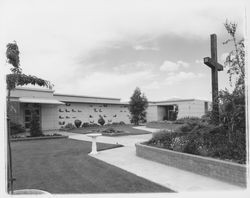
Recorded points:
(57, 110)
(159, 111)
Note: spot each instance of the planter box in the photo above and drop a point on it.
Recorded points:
(38, 138)
(218, 169)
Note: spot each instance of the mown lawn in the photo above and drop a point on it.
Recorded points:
(126, 128)
(163, 125)
(63, 166)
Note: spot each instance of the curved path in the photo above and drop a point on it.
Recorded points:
(170, 177)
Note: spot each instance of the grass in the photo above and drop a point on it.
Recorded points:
(126, 128)
(163, 125)
(63, 166)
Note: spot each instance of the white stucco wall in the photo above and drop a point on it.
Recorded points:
(83, 111)
(152, 113)
(191, 109)
(49, 115)
(161, 111)
(187, 108)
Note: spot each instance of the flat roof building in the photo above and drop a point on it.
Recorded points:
(57, 110)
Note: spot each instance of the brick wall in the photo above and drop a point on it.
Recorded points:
(225, 171)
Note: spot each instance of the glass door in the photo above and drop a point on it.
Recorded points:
(28, 114)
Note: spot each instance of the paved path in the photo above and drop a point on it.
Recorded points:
(173, 178)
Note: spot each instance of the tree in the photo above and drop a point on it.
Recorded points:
(17, 78)
(137, 106)
(232, 104)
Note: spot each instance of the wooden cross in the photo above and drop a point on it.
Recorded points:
(215, 67)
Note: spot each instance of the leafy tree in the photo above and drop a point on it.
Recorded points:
(17, 78)
(232, 104)
(137, 106)
(14, 79)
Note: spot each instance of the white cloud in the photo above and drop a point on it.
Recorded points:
(183, 64)
(181, 76)
(133, 67)
(172, 66)
(152, 86)
(199, 61)
(141, 47)
(108, 84)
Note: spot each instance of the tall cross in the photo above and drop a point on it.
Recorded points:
(215, 67)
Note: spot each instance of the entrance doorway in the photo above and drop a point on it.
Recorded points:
(28, 114)
(168, 109)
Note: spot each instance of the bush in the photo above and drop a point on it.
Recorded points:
(85, 124)
(94, 125)
(35, 128)
(16, 128)
(69, 126)
(205, 140)
(122, 123)
(111, 130)
(101, 121)
(78, 123)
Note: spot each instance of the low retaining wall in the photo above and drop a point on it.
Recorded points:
(225, 171)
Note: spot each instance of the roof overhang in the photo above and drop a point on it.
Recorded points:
(40, 100)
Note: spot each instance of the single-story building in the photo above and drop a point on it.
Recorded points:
(162, 110)
(57, 110)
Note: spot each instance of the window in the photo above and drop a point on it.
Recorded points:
(206, 107)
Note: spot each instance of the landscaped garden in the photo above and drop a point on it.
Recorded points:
(199, 137)
(165, 125)
(221, 133)
(114, 129)
(63, 166)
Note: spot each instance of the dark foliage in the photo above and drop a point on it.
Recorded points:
(78, 123)
(137, 106)
(101, 120)
(205, 140)
(16, 128)
(35, 128)
(85, 124)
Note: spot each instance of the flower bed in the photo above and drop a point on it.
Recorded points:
(113, 132)
(24, 138)
(225, 171)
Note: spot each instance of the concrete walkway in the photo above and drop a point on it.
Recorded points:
(173, 178)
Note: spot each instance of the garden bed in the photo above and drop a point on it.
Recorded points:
(218, 169)
(45, 137)
(115, 134)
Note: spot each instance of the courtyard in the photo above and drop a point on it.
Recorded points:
(64, 166)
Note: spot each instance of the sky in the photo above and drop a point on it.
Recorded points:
(107, 48)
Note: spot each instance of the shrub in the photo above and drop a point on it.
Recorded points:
(115, 123)
(122, 123)
(69, 126)
(16, 128)
(78, 123)
(101, 121)
(205, 140)
(93, 125)
(111, 130)
(35, 128)
(85, 124)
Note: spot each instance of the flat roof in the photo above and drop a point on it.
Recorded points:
(34, 89)
(82, 96)
(177, 100)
